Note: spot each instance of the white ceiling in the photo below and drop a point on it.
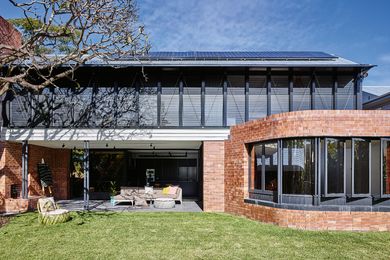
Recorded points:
(121, 144)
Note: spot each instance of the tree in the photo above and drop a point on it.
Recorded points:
(61, 35)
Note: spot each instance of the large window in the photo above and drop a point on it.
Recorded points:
(335, 166)
(386, 167)
(361, 167)
(298, 166)
(264, 166)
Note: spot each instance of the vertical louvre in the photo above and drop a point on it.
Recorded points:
(324, 90)
(192, 101)
(301, 96)
(235, 100)
(279, 94)
(148, 103)
(170, 101)
(345, 93)
(257, 97)
(213, 101)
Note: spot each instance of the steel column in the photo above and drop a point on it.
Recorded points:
(86, 175)
(181, 90)
(224, 111)
(269, 85)
(290, 91)
(202, 103)
(313, 92)
(246, 96)
(359, 93)
(159, 104)
(335, 86)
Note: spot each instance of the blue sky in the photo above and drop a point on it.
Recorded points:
(354, 29)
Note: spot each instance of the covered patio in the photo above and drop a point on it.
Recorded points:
(105, 205)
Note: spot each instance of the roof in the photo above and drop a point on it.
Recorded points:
(376, 90)
(378, 102)
(233, 58)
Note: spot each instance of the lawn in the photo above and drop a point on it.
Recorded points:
(179, 236)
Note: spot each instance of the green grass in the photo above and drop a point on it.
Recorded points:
(179, 236)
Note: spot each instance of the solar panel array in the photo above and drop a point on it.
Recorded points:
(237, 55)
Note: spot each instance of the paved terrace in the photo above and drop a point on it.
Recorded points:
(105, 205)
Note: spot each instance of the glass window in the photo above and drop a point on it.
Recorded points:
(323, 93)
(271, 166)
(256, 167)
(257, 97)
(214, 101)
(279, 94)
(235, 100)
(386, 167)
(301, 93)
(192, 101)
(298, 166)
(335, 166)
(361, 174)
(264, 168)
(345, 93)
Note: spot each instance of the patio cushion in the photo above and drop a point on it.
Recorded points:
(173, 189)
(46, 204)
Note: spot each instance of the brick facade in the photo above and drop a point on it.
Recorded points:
(300, 124)
(213, 176)
(11, 173)
(9, 35)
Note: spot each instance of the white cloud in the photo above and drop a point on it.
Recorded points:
(228, 25)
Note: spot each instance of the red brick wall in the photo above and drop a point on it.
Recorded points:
(9, 35)
(11, 169)
(300, 124)
(387, 191)
(213, 176)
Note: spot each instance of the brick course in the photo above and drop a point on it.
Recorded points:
(300, 124)
(11, 173)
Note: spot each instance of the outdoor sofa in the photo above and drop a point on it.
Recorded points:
(127, 195)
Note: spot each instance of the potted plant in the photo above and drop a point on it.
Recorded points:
(113, 192)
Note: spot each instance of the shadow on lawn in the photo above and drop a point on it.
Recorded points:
(82, 217)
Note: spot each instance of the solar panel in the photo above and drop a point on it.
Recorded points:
(232, 55)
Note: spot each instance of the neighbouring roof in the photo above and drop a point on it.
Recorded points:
(376, 90)
(379, 102)
(233, 58)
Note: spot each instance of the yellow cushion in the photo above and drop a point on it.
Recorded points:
(165, 190)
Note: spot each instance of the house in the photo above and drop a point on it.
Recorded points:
(279, 137)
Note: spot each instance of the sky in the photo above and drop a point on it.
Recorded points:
(358, 30)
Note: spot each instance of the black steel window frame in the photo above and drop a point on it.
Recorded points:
(360, 195)
(325, 157)
(382, 141)
(251, 146)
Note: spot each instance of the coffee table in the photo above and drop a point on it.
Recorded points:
(164, 203)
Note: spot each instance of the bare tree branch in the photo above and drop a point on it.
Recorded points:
(61, 35)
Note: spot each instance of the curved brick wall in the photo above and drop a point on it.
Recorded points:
(300, 124)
